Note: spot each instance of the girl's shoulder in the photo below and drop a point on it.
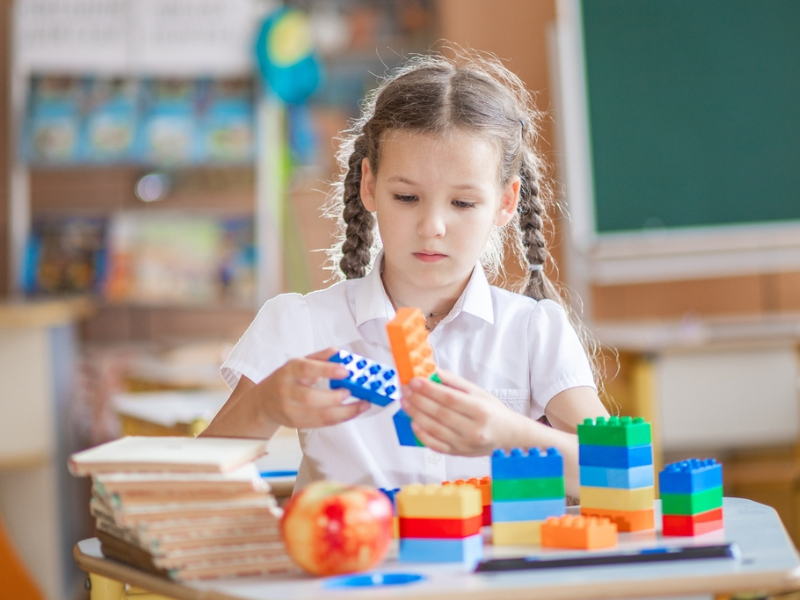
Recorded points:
(505, 300)
(327, 298)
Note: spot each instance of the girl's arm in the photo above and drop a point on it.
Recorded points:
(461, 418)
(286, 397)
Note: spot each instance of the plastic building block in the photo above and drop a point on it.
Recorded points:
(635, 477)
(484, 484)
(615, 431)
(540, 488)
(584, 533)
(690, 525)
(468, 550)
(691, 504)
(408, 337)
(690, 476)
(487, 514)
(517, 533)
(634, 520)
(617, 499)
(529, 464)
(439, 528)
(615, 457)
(368, 380)
(527, 510)
(435, 501)
(402, 425)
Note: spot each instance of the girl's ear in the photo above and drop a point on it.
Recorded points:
(367, 186)
(508, 203)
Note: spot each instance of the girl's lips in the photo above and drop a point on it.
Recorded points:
(429, 258)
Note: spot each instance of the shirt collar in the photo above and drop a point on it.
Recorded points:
(371, 301)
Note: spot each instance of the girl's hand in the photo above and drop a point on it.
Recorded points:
(458, 417)
(289, 398)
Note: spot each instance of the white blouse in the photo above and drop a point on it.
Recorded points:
(522, 351)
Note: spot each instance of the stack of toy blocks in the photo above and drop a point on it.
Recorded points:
(616, 471)
(390, 494)
(527, 488)
(440, 523)
(413, 357)
(484, 484)
(691, 497)
(367, 379)
(579, 532)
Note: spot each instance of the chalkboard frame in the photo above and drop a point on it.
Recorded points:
(657, 254)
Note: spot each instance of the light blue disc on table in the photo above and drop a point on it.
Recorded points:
(372, 580)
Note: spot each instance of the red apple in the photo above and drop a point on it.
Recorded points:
(331, 528)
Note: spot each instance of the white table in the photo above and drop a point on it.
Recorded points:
(769, 564)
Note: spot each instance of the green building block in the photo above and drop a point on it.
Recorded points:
(691, 504)
(614, 431)
(538, 488)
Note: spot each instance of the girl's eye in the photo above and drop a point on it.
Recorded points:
(463, 204)
(406, 199)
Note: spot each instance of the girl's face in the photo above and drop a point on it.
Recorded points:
(436, 199)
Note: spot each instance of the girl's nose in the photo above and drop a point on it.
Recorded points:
(432, 223)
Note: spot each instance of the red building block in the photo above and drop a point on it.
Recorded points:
(689, 525)
(584, 533)
(408, 337)
(439, 528)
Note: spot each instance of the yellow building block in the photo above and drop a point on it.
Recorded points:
(617, 499)
(436, 501)
(517, 533)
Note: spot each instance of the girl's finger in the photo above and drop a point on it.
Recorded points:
(312, 368)
(455, 381)
(445, 424)
(316, 399)
(429, 440)
(340, 414)
(445, 396)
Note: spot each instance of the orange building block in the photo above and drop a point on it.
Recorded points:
(584, 533)
(633, 520)
(413, 355)
(484, 484)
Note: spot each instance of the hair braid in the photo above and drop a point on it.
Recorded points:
(359, 222)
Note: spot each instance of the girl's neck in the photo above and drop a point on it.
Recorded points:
(435, 304)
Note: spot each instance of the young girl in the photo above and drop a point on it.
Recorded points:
(443, 159)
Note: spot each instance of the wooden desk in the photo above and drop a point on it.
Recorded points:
(769, 564)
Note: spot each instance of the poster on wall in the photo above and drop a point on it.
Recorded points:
(188, 38)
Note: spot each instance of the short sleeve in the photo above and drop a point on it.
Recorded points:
(281, 330)
(558, 359)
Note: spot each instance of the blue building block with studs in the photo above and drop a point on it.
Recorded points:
(506, 511)
(628, 479)
(402, 425)
(615, 457)
(368, 380)
(690, 476)
(468, 550)
(527, 464)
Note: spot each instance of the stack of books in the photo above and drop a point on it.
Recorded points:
(185, 508)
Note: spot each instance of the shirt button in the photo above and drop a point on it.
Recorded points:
(434, 458)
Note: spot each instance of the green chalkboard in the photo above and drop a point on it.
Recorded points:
(694, 112)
